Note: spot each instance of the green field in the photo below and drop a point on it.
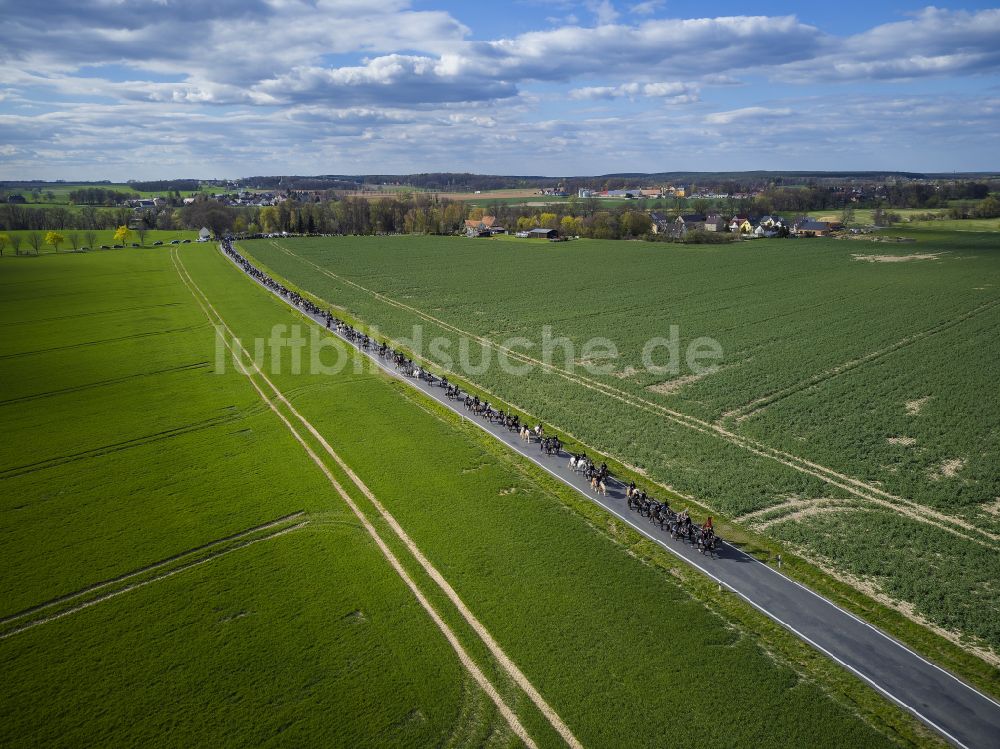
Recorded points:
(179, 571)
(850, 391)
(865, 217)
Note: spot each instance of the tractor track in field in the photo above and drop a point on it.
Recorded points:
(100, 342)
(148, 439)
(103, 383)
(92, 595)
(956, 526)
(100, 313)
(151, 567)
(965, 716)
(250, 371)
(760, 404)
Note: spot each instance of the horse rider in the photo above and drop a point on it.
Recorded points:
(707, 525)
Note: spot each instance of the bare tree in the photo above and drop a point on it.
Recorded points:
(74, 240)
(35, 239)
(15, 242)
(90, 237)
(141, 232)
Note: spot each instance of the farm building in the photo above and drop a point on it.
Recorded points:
(483, 227)
(810, 228)
(543, 234)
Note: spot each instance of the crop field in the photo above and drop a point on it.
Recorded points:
(196, 554)
(866, 216)
(853, 415)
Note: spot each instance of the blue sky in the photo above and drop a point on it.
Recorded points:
(119, 89)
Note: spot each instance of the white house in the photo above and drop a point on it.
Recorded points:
(204, 235)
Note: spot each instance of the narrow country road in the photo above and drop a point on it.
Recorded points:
(962, 714)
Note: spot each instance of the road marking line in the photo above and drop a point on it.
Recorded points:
(463, 656)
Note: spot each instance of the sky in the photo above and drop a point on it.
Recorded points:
(159, 89)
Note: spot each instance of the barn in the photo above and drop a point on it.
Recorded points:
(543, 234)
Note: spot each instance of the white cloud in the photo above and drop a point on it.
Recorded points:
(604, 11)
(747, 113)
(397, 80)
(647, 8)
(376, 85)
(675, 92)
(934, 42)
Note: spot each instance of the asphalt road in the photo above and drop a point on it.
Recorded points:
(960, 713)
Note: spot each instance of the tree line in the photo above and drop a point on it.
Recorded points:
(422, 213)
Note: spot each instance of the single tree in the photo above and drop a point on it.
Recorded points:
(54, 239)
(141, 231)
(35, 239)
(90, 237)
(74, 240)
(15, 242)
(122, 235)
(4, 241)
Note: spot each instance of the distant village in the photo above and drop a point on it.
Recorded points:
(666, 227)
(714, 211)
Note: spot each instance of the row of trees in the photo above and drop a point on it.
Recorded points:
(100, 196)
(420, 213)
(35, 240)
(417, 214)
(15, 217)
(987, 208)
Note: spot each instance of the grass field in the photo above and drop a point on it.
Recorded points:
(204, 584)
(963, 225)
(865, 217)
(851, 388)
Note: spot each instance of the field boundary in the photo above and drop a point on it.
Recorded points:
(748, 410)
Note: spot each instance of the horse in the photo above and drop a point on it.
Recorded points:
(707, 541)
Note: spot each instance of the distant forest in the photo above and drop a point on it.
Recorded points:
(468, 182)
